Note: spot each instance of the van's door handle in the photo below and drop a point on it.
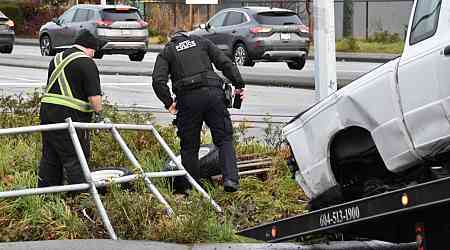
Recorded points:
(447, 51)
(234, 31)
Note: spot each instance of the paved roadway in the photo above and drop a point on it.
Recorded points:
(280, 102)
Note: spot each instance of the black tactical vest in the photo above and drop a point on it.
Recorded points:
(190, 65)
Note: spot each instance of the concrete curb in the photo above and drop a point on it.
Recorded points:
(340, 56)
(142, 245)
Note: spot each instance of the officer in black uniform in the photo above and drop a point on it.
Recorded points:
(199, 98)
(73, 90)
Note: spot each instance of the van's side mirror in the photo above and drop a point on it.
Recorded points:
(202, 26)
(55, 20)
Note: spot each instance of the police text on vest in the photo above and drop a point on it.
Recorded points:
(185, 45)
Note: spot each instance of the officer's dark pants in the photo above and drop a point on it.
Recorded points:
(206, 104)
(60, 160)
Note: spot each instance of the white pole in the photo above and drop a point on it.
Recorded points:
(103, 2)
(324, 49)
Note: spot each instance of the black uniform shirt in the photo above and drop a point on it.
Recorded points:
(165, 65)
(83, 77)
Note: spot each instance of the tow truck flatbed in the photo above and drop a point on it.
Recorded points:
(396, 216)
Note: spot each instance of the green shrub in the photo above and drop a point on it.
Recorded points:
(384, 37)
(152, 31)
(348, 44)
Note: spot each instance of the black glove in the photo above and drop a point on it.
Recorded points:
(98, 118)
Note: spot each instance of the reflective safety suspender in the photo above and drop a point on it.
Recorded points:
(58, 75)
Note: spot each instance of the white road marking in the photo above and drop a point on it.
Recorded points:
(40, 84)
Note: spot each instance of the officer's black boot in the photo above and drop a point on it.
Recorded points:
(230, 186)
(227, 156)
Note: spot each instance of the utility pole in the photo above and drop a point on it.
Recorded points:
(324, 49)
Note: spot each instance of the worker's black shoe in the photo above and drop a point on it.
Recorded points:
(230, 186)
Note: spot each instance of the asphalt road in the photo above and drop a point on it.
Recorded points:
(278, 104)
(277, 74)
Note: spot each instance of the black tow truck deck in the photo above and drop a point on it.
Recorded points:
(419, 213)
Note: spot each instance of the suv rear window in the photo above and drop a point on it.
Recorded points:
(121, 14)
(277, 18)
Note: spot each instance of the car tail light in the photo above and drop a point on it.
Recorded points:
(104, 23)
(303, 28)
(259, 30)
(10, 24)
(143, 24)
(122, 9)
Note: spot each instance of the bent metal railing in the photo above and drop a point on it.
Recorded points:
(92, 185)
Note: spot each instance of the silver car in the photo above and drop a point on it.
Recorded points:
(119, 29)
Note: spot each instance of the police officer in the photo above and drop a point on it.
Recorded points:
(199, 98)
(73, 90)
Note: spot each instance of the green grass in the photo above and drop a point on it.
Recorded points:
(135, 215)
(364, 46)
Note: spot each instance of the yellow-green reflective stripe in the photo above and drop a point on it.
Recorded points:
(64, 103)
(64, 62)
(60, 68)
(63, 85)
(57, 61)
(64, 78)
(78, 101)
(68, 102)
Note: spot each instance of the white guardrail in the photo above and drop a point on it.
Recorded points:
(92, 185)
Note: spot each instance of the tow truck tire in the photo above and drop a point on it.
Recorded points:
(208, 161)
(105, 173)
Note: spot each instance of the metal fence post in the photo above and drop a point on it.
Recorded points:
(87, 175)
(136, 164)
(180, 166)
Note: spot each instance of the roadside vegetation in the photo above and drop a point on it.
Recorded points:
(136, 214)
(379, 42)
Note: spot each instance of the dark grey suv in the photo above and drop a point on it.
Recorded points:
(252, 34)
(120, 30)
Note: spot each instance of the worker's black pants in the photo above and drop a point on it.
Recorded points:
(205, 104)
(60, 160)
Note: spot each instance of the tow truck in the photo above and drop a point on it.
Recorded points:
(365, 154)
(414, 214)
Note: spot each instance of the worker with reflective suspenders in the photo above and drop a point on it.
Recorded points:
(73, 90)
